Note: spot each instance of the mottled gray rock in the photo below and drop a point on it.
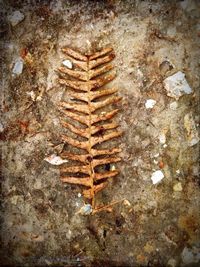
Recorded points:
(15, 18)
(176, 85)
(190, 255)
(18, 66)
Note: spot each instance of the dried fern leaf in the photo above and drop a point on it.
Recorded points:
(100, 152)
(85, 86)
(101, 53)
(75, 54)
(78, 131)
(74, 180)
(95, 63)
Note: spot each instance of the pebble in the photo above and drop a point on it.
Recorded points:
(15, 18)
(55, 160)
(112, 168)
(192, 133)
(157, 176)
(176, 85)
(190, 255)
(85, 210)
(67, 63)
(150, 103)
(162, 138)
(178, 187)
(126, 203)
(18, 67)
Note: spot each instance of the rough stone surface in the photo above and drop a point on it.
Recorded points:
(176, 85)
(39, 221)
(15, 18)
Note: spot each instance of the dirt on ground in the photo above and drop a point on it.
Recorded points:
(158, 221)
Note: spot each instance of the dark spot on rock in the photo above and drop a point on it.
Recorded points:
(165, 66)
(119, 221)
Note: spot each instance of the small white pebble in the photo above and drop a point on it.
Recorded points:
(162, 138)
(150, 103)
(85, 210)
(55, 160)
(165, 145)
(113, 168)
(67, 63)
(127, 203)
(178, 171)
(18, 67)
(157, 176)
(79, 195)
(156, 155)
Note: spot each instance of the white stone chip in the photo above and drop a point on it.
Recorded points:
(67, 63)
(157, 176)
(126, 203)
(55, 160)
(162, 138)
(85, 210)
(113, 168)
(150, 103)
(15, 18)
(18, 67)
(176, 85)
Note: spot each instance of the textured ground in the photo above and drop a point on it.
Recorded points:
(157, 225)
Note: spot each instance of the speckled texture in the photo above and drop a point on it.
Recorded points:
(157, 225)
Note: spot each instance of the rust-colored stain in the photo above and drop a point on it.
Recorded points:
(190, 223)
(89, 121)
